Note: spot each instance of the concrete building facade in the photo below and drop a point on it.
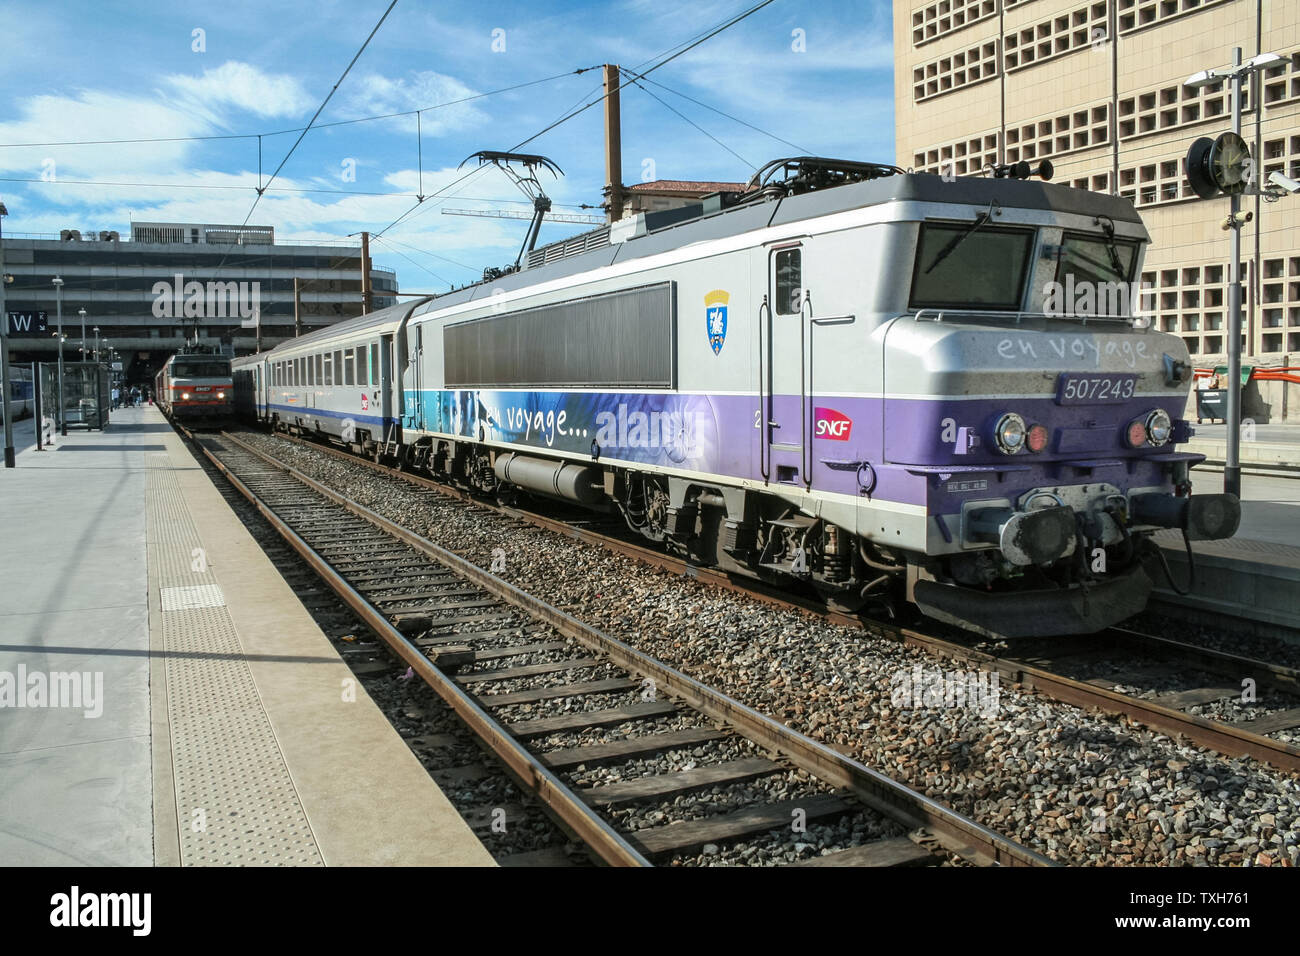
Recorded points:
(1097, 88)
(148, 293)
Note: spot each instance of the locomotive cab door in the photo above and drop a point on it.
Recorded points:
(783, 387)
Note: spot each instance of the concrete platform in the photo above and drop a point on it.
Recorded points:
(1262, 446)
(1253, 576)
(195, 713)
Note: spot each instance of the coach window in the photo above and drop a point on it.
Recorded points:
(320, 369)
(363, 372)
(789, 281)
(338, 366)
(349, 374)
(329, 370)
(374, 363)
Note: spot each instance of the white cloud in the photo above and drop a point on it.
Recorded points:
(244, 87)
(376, 95)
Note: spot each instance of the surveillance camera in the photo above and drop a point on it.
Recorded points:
(1283, 182)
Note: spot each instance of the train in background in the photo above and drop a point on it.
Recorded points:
(196, 388)
(849, 377)
(22, 392)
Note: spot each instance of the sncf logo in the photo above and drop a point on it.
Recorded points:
(832, 424)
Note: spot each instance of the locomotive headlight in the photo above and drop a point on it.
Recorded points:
(1010, 433)
(1159, 427)
(1136, 433)
(221, 394)
(1036, 440)
(185, 396)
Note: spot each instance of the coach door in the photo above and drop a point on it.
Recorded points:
(412, 378)
(383, 371)
(784, 410)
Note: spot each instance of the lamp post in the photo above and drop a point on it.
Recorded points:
(58, 307)
(4, 349)
(82, 313)
(1236, 75)
(96, 331)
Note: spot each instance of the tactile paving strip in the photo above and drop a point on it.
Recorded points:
(235, 801)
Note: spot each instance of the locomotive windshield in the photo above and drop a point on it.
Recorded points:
(207, 369)
(960, 267)
(1096, 259)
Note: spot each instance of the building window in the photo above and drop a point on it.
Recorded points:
(952, 72)
(1057, 36)
(1135, 15)
(949, 16)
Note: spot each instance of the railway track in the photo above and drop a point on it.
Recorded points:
(610, 714)
(1062, 669)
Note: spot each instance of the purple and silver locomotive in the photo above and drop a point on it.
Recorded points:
(891, 387)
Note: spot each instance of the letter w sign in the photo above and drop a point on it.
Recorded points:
(27, 323)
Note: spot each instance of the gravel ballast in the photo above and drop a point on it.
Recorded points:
(1081, 788)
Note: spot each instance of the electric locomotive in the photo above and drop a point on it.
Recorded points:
(890, 387)
(194, 387)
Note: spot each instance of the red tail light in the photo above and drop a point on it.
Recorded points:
(1036, 440)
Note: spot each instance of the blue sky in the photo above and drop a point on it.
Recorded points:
(75, 71)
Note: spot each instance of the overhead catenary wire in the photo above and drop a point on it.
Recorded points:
(261, 190)
(418, 266)
(286, 189)
(734, 119)
(696, 125)
(296, 129)
(680, 49)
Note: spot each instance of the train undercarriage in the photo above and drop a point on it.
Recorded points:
(1100, 576)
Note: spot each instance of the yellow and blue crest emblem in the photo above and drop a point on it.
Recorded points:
(715, 316)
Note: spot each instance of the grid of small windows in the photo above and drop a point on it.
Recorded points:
(1192, 301)
(1168, 107)
(966, 157)
(1057, 36)
(1079, 129)
(1279, 305)
(1155, 183)
(1137, 15)
(952, 72)
(1280, 154)
(1281, 83)
(1100, 183)
(948, 16)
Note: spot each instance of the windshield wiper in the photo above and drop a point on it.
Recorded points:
(1108, 227)
(981, 220)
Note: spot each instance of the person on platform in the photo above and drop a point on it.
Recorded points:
(117, 397)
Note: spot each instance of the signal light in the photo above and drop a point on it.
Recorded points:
(1036, 440)
(1136, 433)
